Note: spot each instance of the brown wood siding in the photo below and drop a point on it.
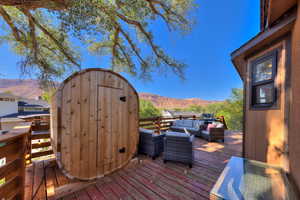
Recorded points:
(294, 133)
(95, 124)
(265, 128)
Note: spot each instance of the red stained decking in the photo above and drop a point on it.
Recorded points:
(147, 180)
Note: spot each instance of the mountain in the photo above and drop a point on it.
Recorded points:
(29, 88)
(169, 103)
(26, 88)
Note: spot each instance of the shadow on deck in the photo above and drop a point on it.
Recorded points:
(149, 179)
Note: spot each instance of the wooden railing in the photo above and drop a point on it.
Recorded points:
(40, 140)
(40, 136)
(13, 147)
(163, 123)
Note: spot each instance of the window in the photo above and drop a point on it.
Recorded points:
(262, 83)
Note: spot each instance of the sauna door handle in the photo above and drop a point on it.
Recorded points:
(122, 150)
(123, 98)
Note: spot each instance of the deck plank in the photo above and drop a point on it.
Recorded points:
(39, 189)
(150, 179)
(94, 193)
(51, 182)
(29, 182)
(120, 192)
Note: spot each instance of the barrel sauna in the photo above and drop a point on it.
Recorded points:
(94, 123)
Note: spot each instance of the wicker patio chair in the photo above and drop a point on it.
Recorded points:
(150, 143)
(178, 147)
(213, 134)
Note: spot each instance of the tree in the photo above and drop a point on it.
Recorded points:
(47, 94)
(8, 92)
(231, 109)
(39, 31)
(196, 108)
(147, 109)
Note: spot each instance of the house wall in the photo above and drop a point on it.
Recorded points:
(294, 133)
(8, 107)
(265, 129)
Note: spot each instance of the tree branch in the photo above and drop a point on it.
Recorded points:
(132, 45)
(155, 11)
(15, 31)
(114, 51)
(147, 35)
(168, 10)
(57, 43)
(32, 33)
(125, 55)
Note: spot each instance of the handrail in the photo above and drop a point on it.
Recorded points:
(163, 123)
(39, 145)
(40, 137)
(13, 148)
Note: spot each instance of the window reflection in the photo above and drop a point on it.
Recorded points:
(264, 93)
(263, 71)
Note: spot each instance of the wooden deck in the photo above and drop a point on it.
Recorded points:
(147, 179)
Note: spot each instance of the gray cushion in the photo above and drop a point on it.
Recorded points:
(192, 129)
(177, 123)
(188, 123)
(177, 134)
(198, 123)
(205, 132)
(146, 130)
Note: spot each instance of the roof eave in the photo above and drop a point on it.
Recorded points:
(263, 38)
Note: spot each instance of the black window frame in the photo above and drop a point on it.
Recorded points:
(270, 55)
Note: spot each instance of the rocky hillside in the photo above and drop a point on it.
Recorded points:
(30, 89)
(167, 102)
(27, 88)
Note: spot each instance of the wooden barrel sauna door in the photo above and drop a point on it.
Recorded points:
(94, 118)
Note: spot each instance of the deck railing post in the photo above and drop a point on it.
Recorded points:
(158, 124)
(28, 154)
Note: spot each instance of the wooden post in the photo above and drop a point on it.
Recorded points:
(158, 124)
(28, 153)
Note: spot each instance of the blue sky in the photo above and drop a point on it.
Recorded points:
(221, 27)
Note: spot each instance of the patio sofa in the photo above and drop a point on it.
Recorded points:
(150, 143)
(214, 131)
(178, 147)
(192, 126)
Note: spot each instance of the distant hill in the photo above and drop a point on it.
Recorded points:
(27, 88)
(169, 103)
(30, 89)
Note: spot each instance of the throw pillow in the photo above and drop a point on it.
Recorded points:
(209, 126)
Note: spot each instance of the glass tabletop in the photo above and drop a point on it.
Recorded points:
(247, 179)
